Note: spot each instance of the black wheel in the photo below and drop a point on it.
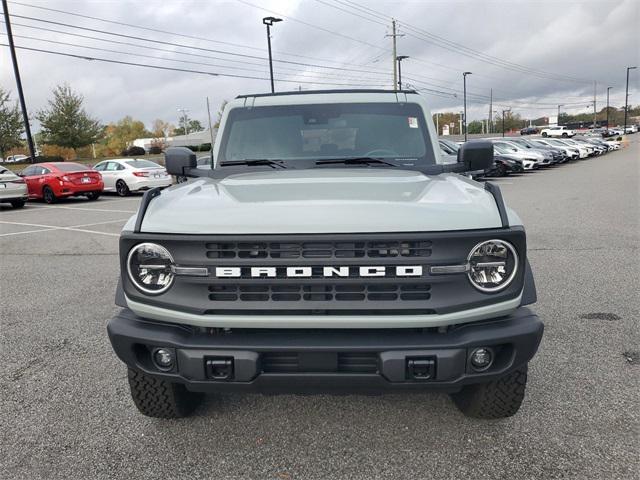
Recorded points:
(501, 170)
(159, 398)
(93, 195)
(122, 188)
(544, 134)
(565, 135)
(495, 399)
(48, 196)
(17, 203)
(181, 179)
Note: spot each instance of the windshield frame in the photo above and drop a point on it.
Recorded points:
(428, 159)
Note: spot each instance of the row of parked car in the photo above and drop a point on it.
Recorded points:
(517, 154)
(54, 180)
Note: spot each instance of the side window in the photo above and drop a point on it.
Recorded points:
(27, 172)
(120, 166)
(112, 166)
(100, 167)
(44, 171)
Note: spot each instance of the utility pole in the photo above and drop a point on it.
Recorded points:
(400, 58)
(16, 71)
(595, 115)
(394, 36)
(626, 94)
(608, 88)
(269, 21)
(464, 81)
(490, 125)
(460, 121)
(438, 124)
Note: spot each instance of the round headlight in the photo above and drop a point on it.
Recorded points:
(149, 266)
(492, 265)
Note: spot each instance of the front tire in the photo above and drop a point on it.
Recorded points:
(17, 203)
(121, 188)
(93, 195)
(48, 196)
(161, 399)
(498, 398)
(564, 135)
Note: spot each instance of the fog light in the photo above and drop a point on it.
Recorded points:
(163, 358)
(481, 358)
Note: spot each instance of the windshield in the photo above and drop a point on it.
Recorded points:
(294, 133)
(501, 148)
(142, 164)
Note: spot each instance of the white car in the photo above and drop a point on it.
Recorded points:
(631, 129)
(570, 152)
(16, 158)
(13, 189)
(615, 145)
(126, 175)
(557, 131)
(529, 161)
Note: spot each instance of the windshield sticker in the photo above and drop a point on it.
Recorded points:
(413, 122)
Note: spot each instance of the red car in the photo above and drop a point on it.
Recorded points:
(54, 180)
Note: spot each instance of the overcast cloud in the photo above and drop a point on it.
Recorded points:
(587, 40)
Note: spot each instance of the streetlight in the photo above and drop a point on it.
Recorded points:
(558, 121)
(269, 21)
(503, 112)
(608, 88)
(399, 58)
(464, 81)
(626, 99)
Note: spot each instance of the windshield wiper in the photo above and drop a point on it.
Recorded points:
(254, 162)
(355, 161)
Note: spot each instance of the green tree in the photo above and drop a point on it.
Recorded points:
(193, 126)
(11, 124)
(66, 123)
(512, 121)
(476, 126)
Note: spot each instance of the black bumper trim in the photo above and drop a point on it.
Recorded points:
(515, 338)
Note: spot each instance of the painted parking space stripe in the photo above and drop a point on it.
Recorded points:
(79, 208)
(73, 228)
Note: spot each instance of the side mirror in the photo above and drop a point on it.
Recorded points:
(476, 155)
(178, 160)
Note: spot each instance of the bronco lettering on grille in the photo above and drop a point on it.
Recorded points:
(304, 272)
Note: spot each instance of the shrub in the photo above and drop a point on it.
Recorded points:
(57, 151)
(134, 151)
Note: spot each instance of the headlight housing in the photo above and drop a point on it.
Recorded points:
(150, 268)
(492, 265)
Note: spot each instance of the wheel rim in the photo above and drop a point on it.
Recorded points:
(48, 195)
(121, 188)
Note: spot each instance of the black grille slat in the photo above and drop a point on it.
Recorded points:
(348, 362)
(325, 250)
(323, 292)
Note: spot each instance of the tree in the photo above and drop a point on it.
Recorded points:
(11, 124)
(512, 121)
(194, 126)
(66, 123)
(476, 126)
(161, 129)
(119, 135)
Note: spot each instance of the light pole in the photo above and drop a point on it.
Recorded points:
(503, 112)
(464, 81)
(608, 88)
(558, 121)
(269, 21)
(399, 58)
(626, 99)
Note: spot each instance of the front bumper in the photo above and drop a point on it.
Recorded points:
(264, 360)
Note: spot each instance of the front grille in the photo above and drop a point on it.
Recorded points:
(346, 362)
(388, 292)
(315, 250)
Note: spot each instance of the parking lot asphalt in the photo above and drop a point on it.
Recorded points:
(65, 410)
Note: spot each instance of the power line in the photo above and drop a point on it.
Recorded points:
(158, 67)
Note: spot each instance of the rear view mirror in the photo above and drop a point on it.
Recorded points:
(476, 155)
(178, 161)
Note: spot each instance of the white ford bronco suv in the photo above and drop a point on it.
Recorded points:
(326, 247)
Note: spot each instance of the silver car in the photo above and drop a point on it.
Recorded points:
(126, 175)
(13, 189)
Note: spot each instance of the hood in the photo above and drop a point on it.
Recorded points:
(341, 200)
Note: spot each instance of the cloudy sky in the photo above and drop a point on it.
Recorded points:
(534, 54)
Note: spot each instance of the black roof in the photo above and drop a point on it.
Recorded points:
(312, 92)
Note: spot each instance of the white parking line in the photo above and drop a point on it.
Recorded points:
(81, 208)
(73, 228)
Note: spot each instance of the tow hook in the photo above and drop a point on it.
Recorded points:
(421, 368)
(219, 368)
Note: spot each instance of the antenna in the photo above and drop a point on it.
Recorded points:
(210, 132)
